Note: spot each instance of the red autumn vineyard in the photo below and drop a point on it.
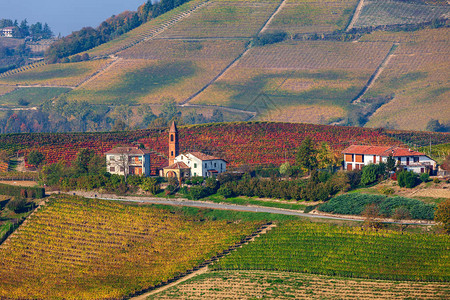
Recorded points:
(240, 144)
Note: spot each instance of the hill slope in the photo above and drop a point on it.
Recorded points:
(212, 61)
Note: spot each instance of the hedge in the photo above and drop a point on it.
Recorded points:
(21, 191)
(354, 204)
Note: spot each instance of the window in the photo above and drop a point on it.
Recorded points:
(112, 157)
(195, 174)
(416, 159)
(171, 153)
(171, 137)
(195, 165)
(112, 169)
(205, 165)
(214, 165)
(122, 169)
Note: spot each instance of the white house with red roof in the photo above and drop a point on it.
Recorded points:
(357, 156)
(202, 164)
(132, 160)
(191, 163)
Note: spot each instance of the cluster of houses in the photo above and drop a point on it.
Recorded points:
(133, 160)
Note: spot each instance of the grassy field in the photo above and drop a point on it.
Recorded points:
(70, 74)
(418, 76)
(148, 81)
(5, 89)
(288, 285)
(33, 95)
(345, 251)
(88, 249)
(382, 12)
(227, 18)
(313, 16)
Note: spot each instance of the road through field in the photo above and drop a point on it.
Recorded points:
(225, 206)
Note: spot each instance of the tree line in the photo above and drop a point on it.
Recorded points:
(88, 37)
(36, 31)
(81, 116)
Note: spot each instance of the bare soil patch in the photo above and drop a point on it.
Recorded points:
(19, 183)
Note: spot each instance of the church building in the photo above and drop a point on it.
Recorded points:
(191, 163)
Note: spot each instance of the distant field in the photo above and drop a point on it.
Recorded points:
(289, 285)
(69, 74)
(345, 251)
(418, 75)
(33, 95)
(313, 16)
(75, 248)
(160, 49)
(5, 89)
(388, 12)
(302, 76)
(148, 81)
(227, 18)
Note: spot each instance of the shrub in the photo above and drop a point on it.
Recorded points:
(436, 180)
(198, 192)
(442, 216)
(407, 179)
(225, 192)
(424, 177)
(270, 38)
(17, 204)
(355, 204)
(35, 158)
(20, 192)
(371, 173)
(150, 185)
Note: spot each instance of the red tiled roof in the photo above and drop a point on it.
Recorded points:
(203, 156)
(177, 165)
(128, 150)
(380, 150)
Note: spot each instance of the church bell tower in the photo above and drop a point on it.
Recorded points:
(173, 143)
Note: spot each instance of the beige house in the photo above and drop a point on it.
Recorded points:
(129, 160)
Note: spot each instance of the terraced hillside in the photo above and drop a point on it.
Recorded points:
(419, 77)
(75, 248)
(297, 77)
(300, 17)
(203, 54)
(389, 12)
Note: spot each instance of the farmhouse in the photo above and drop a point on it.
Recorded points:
(7, 31)
(191, 163)
(357, 156)
(128, 160)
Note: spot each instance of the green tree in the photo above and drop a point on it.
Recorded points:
(285, 169)
(371, 173)
(306, 155)
(390, 163)
(35, 158)
(433, 125)
(81, 163)
(442, 215)
(325, 156)
(407, 179)
(150, 185)
(52, 174)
